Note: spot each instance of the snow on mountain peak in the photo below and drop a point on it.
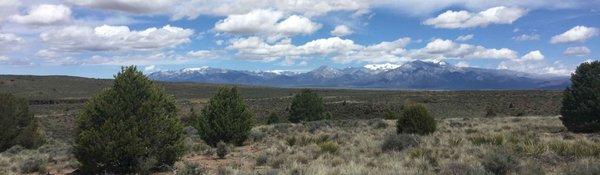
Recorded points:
(384, 67)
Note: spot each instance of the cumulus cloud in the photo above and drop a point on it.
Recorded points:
(575, 34)
(131, 6)
(10, 41)
(341, 30)
(149, 68)
(577, 51)
(268, 23)
(465, 37)
(45, 14)
(535, 67)
(114, 38)
(462, 64)
(527, 37)
(445, 49)
(464, 19)
(533, 55)
(202, 54)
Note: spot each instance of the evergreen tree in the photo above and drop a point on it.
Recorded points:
(17, 125)
(306, 106)
(581, 101)
(225, 118)
(129, 127)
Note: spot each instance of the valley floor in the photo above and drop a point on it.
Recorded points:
(514, 145)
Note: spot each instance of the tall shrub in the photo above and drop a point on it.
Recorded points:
(581, 101)
(130, 127)
(17, 125)
(415, 119)
(306, 106)
(225, 118)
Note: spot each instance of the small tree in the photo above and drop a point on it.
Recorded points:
(130, 127)
(17, 125)
(390, 115)
(306, 106)
(581, 101)
(225, 118)
(415, 119)
(273, 118)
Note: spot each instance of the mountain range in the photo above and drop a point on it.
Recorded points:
(410, 75)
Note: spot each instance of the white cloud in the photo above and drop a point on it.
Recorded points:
(577, 51)
(45, 14)
(341, 30)
(462, 64)
(267, 23)
(535, 67)
(114, 38)
(9, 7)
(10, 41)
(446, 49)
(202, 54)
(464, 19)
(533, 55)
(341, 50)
(575, 34)
(465, 37)
(527, 37)
(149, 68)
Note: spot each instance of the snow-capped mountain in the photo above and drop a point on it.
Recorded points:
(410, 75)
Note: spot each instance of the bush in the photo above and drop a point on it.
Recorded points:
(34, 163)
(581, 101)
(399, 142)
(221, 149)
(390, 115)
(306, 106)
(273, 118)
(130, 127)
(500, 162)
(191, 168)
(415, 119)
(17, 125)
(455, 168)
(225, 118)
(329, 147)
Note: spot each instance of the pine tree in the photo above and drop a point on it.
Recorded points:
(581, 101)
(306, 106)
(17, 125)
(131, 124)
(225, 118)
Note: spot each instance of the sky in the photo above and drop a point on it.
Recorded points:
(95, 38)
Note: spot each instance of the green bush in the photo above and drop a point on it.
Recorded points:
(221, 149)
(225, 118)
(500, 162)
(329, 147)
(390, 115)
(273, 118)
(399, 142)
(17, 125)
(581, 101)
(132, 126)
(415, 119)
(306, 106)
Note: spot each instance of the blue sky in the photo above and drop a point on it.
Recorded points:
(95, 38)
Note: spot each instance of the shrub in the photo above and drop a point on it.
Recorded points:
(329, 147)
(34, 163)
(191, 168)
(262, 160)
(17, 125)
(581, 101)
(415, 119)
(500, 162)
(584, 167)
(273, 118)
(455, 168)
(399, 142)
(306, 106)
(221, 149)
(225, 118)
(129, 127)
(390, 115)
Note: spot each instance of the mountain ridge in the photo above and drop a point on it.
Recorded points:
(410, 75)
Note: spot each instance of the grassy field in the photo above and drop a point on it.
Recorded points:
(479, 132)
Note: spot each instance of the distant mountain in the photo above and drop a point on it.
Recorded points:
(410, 75)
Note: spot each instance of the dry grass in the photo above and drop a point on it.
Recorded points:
(524, 145)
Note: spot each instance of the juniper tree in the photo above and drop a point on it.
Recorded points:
(17, 124)
(129, 127)
(306, 106)
(581, 100)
